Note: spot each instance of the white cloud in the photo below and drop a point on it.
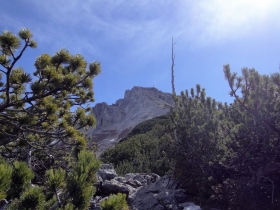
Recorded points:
(219, 20)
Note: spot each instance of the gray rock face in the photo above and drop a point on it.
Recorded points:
(114, 186)
(162, 194)
(115, 121)
(128, 184)
(106, 172)
(145, 191)
(142, 178)
(3, 204)
(191, 206)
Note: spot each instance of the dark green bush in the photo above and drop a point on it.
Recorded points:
(115, 202)
(146, 152)
(21, 178)
(5, 179)
(228, 155)
(80, 181)
(32, 198)
(196, 123)
(148, 125)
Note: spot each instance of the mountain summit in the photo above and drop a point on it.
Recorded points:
(113, 122)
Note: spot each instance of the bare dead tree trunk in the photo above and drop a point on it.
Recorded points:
(172, 67)
(175, 109)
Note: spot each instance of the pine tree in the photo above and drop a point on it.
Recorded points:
(21, 178)
(252, 139)
(5, 179)
(42, 122)
(231, 151)
(196, 122)
(41, 115)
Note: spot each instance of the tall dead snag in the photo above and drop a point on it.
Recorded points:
(172, 67)
(174, 110)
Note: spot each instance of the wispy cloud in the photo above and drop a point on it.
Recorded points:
(140, 28)
(143, 28)
(132, 39)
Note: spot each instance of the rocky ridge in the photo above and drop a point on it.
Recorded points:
(145, 191)
(115, 121)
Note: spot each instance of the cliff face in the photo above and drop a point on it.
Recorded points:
(115, 121)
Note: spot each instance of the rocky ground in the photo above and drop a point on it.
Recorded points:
(145, 191)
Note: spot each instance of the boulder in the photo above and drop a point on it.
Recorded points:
(144, 190)
(3, 204)
(143, 178)
(113, 187)
(127, 184)
(106, 172)
(190, 206)
(95, 203)
(161, 195)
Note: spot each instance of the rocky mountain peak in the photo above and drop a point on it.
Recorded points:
(115, 121)
(136, 90)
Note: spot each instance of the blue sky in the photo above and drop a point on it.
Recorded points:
(132, 39)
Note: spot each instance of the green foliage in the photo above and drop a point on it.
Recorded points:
(32, 198)
(21, 178)
(40, 113)
(148, 125)
(196, 120)
(5, 179)
(252, 141)
(55, 179)
(148, 151)
(43, 118)
(76, 188)
(80, 181)
(228, 155)
(115, 202)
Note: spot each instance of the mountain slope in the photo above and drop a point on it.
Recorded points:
(147, 148)
(115, 121)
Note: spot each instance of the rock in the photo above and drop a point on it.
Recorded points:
(145, 191)
(180, 195)
(190, 206)
(3, 204)
(106, 172)
(167, 182)
(127, 184)
(162, 194)
(95, 202)
(114, 122)
(143, 178)
(114, 186)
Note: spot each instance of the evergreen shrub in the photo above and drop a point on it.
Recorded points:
(115, 202)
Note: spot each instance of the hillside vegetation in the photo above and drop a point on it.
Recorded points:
(145, 149)
(225, 155)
